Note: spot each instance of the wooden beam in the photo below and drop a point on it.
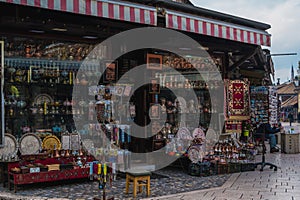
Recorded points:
(243, 59)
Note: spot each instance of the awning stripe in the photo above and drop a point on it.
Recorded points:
(88, 10)
(63, 5)
(216, 28)
(107, 9)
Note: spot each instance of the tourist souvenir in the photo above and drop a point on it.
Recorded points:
(196, 153)
(51, 142)
(184, 134)
(198, 133)
(211, 139)
(10, 147)
(42, 98)
(30, 144)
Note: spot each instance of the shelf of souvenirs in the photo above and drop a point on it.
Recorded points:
(258, 107)
(43, 112)
(31, 70)
(49, 82)
(255, 102)
(58, 107)
(192, 72)
(232, 150)
(48, 78)
(211, 63)
(26, 63)
(260, 112)
(259, 99)
(260, 90)
(167, 132)
(223, 151)
(196, 81)
(200, 85)
(256, 120)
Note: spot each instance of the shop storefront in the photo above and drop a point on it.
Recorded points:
(47, 46)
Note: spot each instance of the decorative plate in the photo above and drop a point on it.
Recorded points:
(51, 142)
(30, 144)
(196, 153)
(75, 141)
(10, 145)
(198, 133)
(65, 140)
(211, 138)
(184, 134)
(42, 98)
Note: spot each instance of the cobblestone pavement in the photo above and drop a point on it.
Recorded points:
(164, 182)
(254, 185)
(267, 185)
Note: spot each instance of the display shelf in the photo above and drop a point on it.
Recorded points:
(273, 107)
(36, 90)
(25, 63)
(259, 105)
(182, 78)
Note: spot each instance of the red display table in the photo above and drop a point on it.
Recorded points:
(49, 176)
(4, 168)
(75, 172)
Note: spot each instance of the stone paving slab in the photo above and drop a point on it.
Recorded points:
(284, 184)
(164, 182)
(260, 185)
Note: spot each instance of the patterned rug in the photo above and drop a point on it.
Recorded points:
(237, 99)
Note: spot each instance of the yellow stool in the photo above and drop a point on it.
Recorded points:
(139, 179)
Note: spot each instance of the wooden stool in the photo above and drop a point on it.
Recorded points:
(139, 179)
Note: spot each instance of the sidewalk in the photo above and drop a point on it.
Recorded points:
(283, 184)
(254, 185)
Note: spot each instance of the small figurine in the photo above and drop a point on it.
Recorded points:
(163, 105)
(192, 108)
(107, 94)
(171, 110)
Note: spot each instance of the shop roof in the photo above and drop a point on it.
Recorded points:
(179, 16)
(189, 18)
(286, 88)
(293, 100)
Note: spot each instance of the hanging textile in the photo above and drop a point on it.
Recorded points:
(237, 99)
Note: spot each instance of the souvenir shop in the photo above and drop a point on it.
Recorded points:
(44, 48)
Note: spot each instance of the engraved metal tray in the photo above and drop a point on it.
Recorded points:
(10, 145)
(30, 144)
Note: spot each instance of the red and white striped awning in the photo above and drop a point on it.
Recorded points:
(215, 28)
(108, 9)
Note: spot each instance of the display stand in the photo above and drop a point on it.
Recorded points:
(103, 196)
(102, 173)
(263, 162)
